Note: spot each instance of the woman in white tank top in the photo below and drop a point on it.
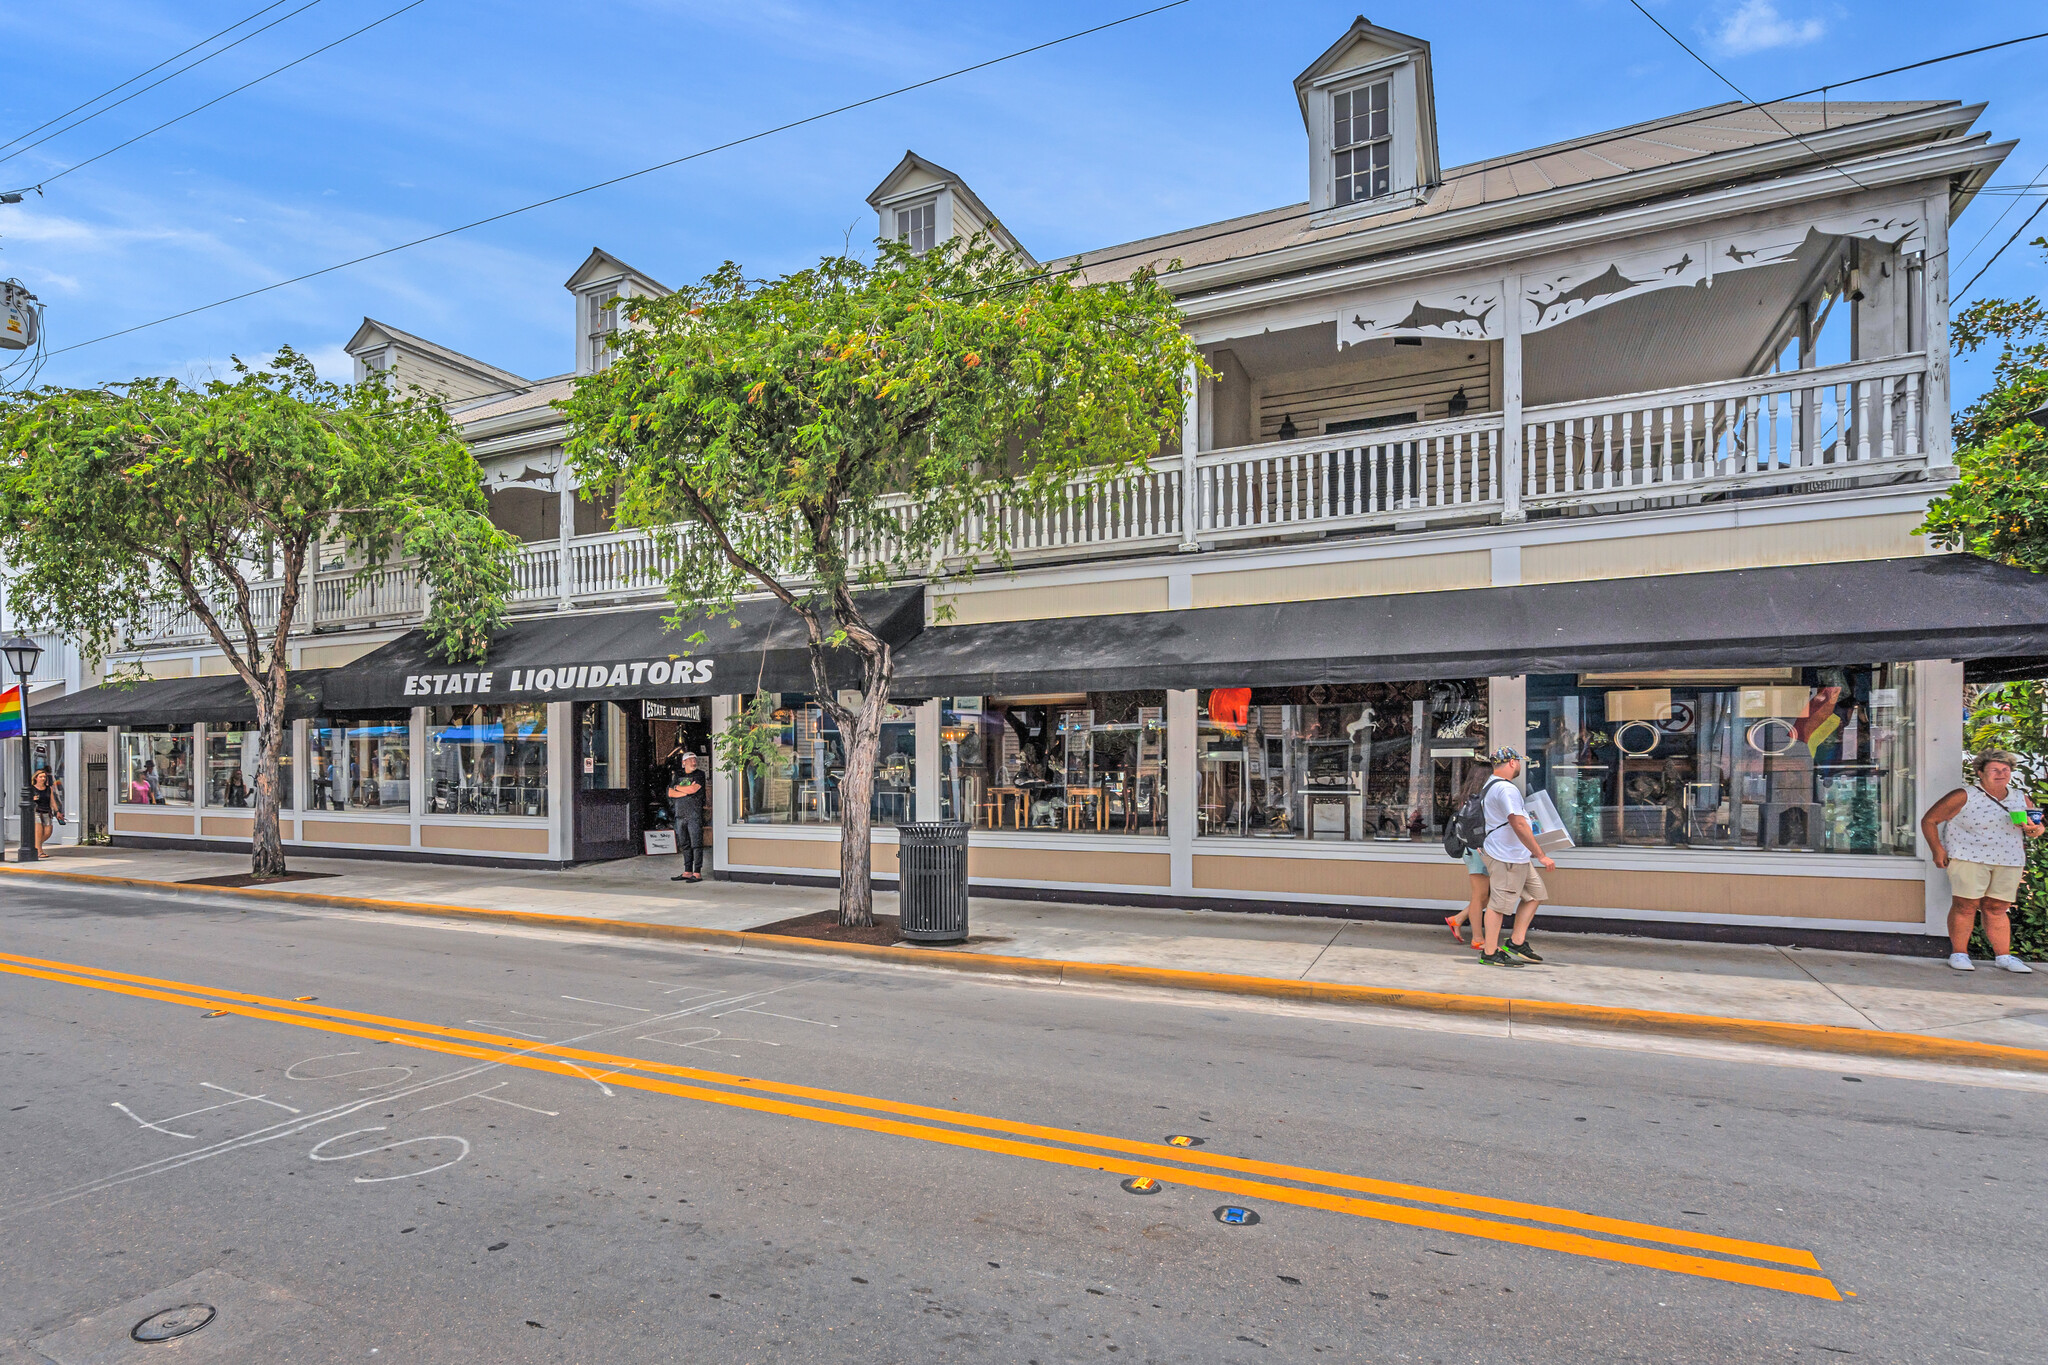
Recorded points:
(1980, 835)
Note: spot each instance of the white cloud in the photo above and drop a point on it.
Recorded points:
(1756, 26)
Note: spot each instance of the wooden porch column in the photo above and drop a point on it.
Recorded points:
(1190, 447)
(1809, 399)
(564, 533)
(1934, 398)
(1511, 400)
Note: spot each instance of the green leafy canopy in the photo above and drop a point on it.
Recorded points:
(154, 496)
(854, 422)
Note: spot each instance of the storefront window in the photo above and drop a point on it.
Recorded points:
(487, 760)
(1364, 761)
(360, 765)
(800, 785)
(1091, 762)
(156, 768)
(601, 744)
(1817, 760)
(232, 758)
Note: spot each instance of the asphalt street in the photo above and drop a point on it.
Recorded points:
(361, 1139)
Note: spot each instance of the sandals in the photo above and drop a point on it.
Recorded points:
(1457, 930)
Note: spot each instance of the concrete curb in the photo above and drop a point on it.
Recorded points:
(1829, 1038)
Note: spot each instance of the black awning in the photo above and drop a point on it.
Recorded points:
(1879, 611)
(173, 701)
(617, 656)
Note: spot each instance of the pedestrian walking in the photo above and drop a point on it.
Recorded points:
(1512, 857)
(1980, 835)
(1478, 887)
(48, 802)
(686, 800)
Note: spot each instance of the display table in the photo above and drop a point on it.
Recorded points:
(1093, 796)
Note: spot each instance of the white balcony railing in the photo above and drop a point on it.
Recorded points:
(1796, 430)
(1799, 426)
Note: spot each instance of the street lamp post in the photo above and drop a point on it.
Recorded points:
(23, 654)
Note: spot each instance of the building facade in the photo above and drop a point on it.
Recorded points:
(1611, 451)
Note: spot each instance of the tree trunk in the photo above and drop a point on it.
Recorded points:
(266, 849)
(856, 801)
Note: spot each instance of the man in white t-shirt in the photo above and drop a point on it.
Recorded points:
(1512, 856)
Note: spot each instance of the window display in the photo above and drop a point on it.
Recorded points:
(363, 765)
(1084, 762)
(156, 768)
(232, 757)
(1349, 763)
(487, 760)
(1815, 760)
(800, 784)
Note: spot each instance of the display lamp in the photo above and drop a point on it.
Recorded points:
(23, 654)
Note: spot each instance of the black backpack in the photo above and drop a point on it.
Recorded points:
(1467, 829)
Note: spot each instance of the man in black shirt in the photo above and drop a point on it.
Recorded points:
(686, 800)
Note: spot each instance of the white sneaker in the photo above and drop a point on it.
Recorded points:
(2011, 963)
(1961, 962)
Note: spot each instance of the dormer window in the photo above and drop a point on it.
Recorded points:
(918, 226)
(604, 320)
(1362, 142)
(1370, 116)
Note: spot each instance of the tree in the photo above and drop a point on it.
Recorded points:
(854, 424)
(155, 496)
(1998, 506)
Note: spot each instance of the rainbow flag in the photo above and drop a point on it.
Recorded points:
(10, 713)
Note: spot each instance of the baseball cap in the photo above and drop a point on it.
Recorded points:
(1502, 755)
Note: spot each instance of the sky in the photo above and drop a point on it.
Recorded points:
(455, 109)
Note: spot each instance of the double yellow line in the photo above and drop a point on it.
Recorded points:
(1677, 1250)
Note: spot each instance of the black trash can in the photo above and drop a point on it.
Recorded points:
(932, 858)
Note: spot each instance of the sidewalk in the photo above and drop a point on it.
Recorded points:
(1734, 981)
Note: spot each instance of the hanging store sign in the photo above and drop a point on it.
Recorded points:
(563, 681)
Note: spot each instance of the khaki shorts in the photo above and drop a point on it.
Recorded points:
(1514, 883)
(1976, 881)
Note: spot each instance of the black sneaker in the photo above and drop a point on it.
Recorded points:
(1522, 951)
(1498, 959)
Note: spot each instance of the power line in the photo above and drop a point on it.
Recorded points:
(1721, 111)
(629, 175)
(81, 165)
(1745, 98)
(1986, 266)
(140, 74)
(2033, 184)
(1618, 136)
(154, 84)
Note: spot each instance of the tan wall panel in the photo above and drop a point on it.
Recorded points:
(334, 656)
(154, 669)
(484, 839)
(358, 832)
(1051, 602)
(1330, 877)
(807, 855)
(1740, 547)
(150, 822)
(237, 827)
(1349, 578)
(1680, 893)
(1724, 893)
(1111, 867)
(215, 666)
